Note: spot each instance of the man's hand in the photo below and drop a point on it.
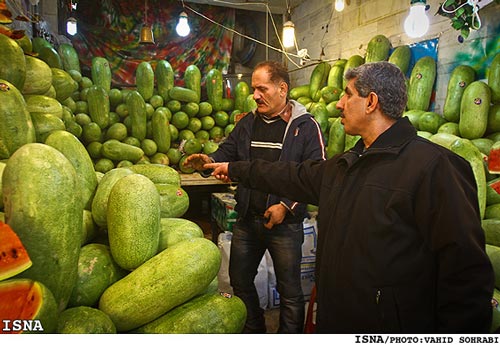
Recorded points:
(196, 161)
(275, 214)
(220, 171)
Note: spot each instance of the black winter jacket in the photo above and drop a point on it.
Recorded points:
(302, 140)
(400, 243)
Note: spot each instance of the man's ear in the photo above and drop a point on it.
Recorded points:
(371, 102)
(283, 88)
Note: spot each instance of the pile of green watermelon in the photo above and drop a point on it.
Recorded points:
(156, 121)
(89, 252)
(92, 238)
(91, 198)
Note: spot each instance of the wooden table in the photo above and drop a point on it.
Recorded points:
(200, 191)
(195, 179)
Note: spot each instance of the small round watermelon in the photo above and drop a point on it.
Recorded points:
(84, 320)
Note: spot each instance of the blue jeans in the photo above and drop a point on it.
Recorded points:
(248, 245)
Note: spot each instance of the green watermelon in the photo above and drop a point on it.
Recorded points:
(210, 313)
(38, 76)
(84, 320)
(174, 230)
(16, 127)
(174, 200)
(96, 271)
(12, 62)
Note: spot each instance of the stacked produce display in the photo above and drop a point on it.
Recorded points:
(93, 238)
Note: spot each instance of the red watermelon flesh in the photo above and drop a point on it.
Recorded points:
(494, 159)
(14, 258)
(27, 306)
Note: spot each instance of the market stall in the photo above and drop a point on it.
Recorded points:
(105, 230)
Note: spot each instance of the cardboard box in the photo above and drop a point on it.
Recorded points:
(222, 210)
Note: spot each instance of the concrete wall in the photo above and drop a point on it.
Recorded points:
(49, 14)
(340, 35)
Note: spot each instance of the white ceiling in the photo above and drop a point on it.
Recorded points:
(275, 6)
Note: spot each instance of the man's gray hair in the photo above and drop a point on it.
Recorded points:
(384, 79)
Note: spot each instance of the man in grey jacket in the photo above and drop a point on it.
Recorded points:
(400, 243)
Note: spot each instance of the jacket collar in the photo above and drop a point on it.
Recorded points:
(391, 141)
(393, 138)
(297, 110)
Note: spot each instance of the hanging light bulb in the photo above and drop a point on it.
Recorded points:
(182, 27)
(339, 5)
(71, 27)
(288, 34)
(417, 22)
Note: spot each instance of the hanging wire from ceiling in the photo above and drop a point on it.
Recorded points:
(322, 42)
(301, 54)
(476, 20)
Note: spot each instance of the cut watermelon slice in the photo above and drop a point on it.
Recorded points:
(14, 258)
(27, 306)
(495, 184)
(494, 159)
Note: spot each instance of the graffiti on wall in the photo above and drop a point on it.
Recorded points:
(481, 47)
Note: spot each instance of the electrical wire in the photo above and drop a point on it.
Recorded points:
(475, 14)
(287, 54)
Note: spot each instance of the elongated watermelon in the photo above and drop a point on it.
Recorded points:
(41, 206)
(158, 173)
(63, 83)
(192, 80)
(12, 62)
(77, 154)
(241, 92)
(378, 49)
(401, 57)
(101, 72)
(336, 74)
(164, 75)
(210, 313)
(423, 76)
(133, 218)
(474, 110)
(16, 127)
(38, 76)
(69, 57)
(100, 201)
(467, 150)
(145, 80)
(460, 78)
(318, 79)
(167, 280)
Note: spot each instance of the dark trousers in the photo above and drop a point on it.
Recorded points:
(248, 245)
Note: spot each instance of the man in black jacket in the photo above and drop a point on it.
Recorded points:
(400, 243)
(278, 130)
